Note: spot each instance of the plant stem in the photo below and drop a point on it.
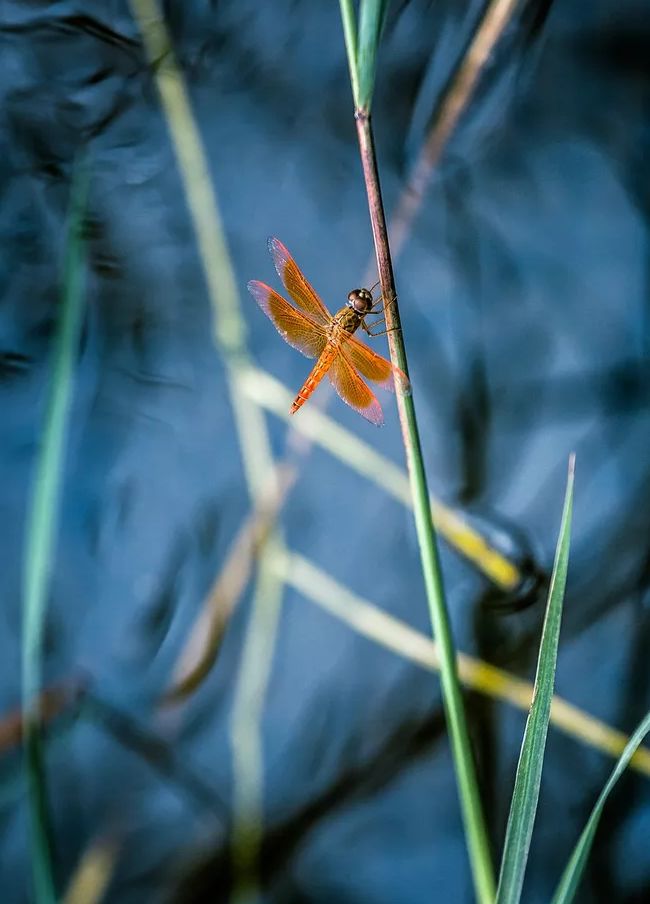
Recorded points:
(40, 538)
(476, 834)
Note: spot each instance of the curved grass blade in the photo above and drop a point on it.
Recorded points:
(572, 875)
(40, 537)
(525, 796)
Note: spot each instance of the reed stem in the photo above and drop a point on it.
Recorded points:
(473, 819)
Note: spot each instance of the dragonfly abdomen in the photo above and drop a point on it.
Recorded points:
(318, 371)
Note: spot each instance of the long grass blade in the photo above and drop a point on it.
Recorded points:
(94, 871)
(572, 875)
(372, 15)
(364, 458)
(254, 440)
(370, 621)
(41, 532)
(245, 728)
(529, 770)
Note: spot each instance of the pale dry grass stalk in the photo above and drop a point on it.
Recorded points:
(227, 591)
(463, 83)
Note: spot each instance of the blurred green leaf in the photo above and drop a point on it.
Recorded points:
(41, 533)
(572, 875)
(529, 769)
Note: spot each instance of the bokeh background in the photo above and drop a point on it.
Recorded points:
(306, 746)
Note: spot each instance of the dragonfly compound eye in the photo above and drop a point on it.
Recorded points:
(360, 300)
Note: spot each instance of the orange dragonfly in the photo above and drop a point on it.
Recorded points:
(316, 333)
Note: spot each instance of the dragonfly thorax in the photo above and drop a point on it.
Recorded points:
(360, 300)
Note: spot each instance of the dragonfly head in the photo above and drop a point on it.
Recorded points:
(360, 300)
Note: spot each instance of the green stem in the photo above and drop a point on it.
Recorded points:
(40, 541)
(475, 831)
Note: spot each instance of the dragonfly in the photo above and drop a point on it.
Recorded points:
(309, 327)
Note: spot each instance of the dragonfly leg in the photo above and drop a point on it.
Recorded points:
(391, 329)
(380, 319)
(379, 301)
(367, 328)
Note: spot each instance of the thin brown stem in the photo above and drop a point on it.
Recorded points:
(54, 701)
(204, 641)
(380, 237)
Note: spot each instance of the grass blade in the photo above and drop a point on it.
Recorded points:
(349, 20)
(572, 875)
(529, 769)
(245, 727)
(40, 536)
(372, 15)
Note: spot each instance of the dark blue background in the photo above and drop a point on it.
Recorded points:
(523, 291)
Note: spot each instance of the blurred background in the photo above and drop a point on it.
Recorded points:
(243, 700)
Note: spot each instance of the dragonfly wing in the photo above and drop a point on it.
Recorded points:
(296, 284)
(373, 366)
(353, 390)
(296, 328)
